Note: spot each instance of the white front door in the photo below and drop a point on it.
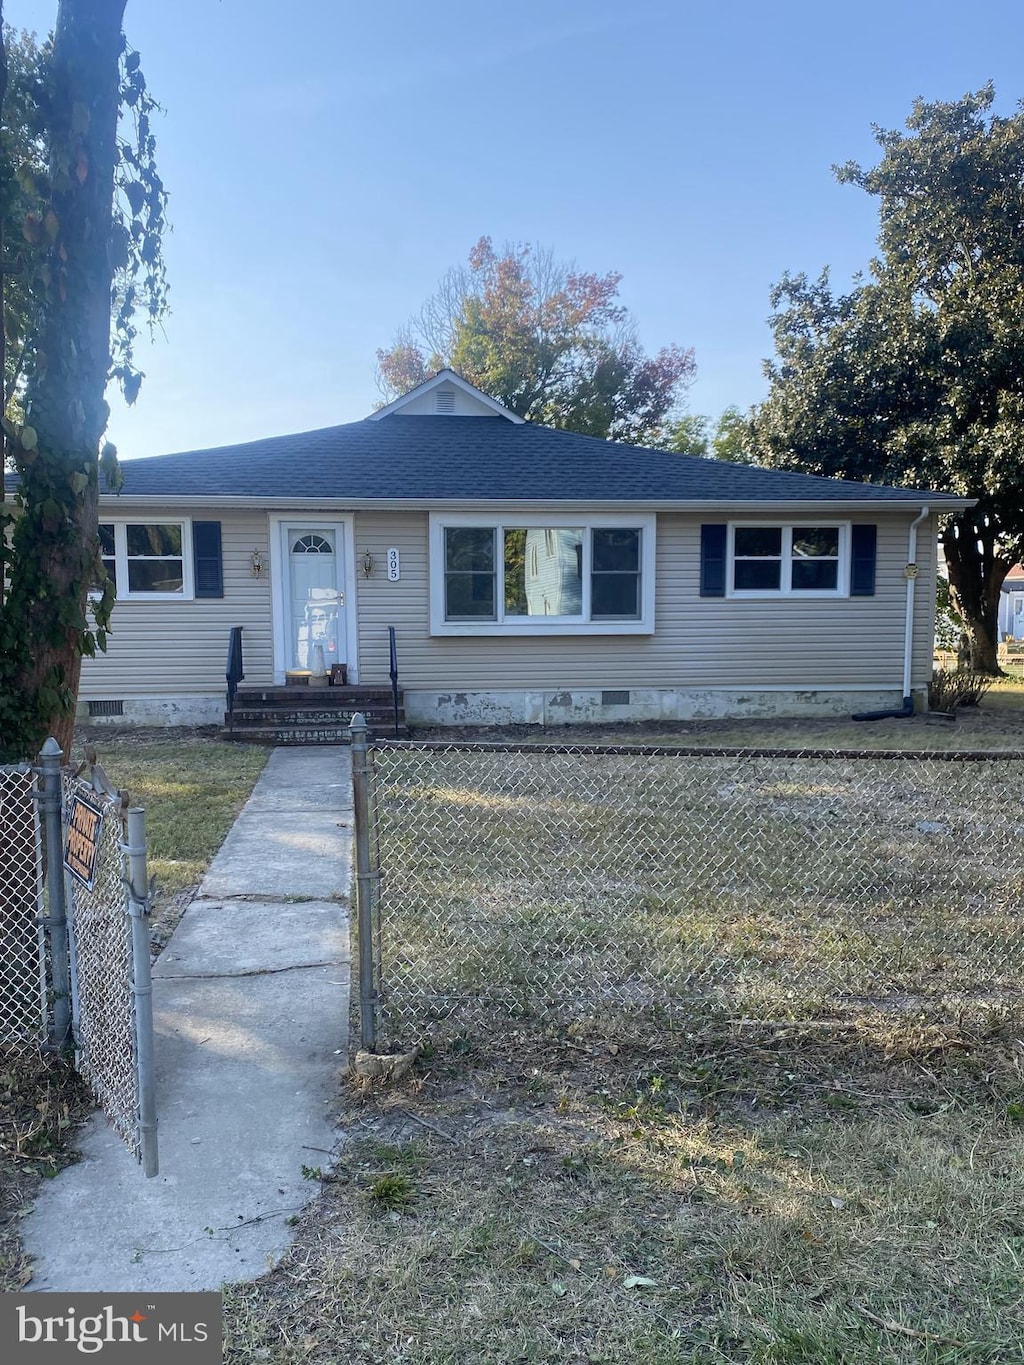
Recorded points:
(313, 593)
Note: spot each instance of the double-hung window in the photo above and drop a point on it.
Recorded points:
(789, 560)
(148, 559)
(530, 575)
(470, 573)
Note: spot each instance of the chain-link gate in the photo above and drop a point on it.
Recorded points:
(108, 1043)
(74, 946)
(574, 882)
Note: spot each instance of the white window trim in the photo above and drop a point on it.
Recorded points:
(119, 524)
(842, 588)
(645, 522)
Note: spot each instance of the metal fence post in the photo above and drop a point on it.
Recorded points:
(51, 802)
(138, 908)
(364, 883)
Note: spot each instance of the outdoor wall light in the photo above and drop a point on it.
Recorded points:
(257, 564)
(367, 564)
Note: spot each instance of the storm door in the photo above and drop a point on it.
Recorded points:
(314, 598)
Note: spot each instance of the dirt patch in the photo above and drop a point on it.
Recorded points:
(102, 737)
(42, 1103)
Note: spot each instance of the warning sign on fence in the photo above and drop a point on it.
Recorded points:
(85, 825)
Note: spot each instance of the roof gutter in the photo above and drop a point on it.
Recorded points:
(910, 574)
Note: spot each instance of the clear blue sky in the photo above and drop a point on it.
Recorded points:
(328, 161)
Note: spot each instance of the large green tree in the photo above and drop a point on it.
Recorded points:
(23, 160)
(731, 439)
(733, 436)
(689, 435)
(916, 375)
(91, 239)
(546, 340)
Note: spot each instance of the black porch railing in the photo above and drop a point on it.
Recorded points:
(234, 672)
(393, 650)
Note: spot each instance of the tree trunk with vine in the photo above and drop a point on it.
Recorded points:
(976, 573)
(54, 537)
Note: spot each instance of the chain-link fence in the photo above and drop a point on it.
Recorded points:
(23, 986)
(583, 882)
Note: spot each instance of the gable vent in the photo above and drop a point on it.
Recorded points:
(444, 400)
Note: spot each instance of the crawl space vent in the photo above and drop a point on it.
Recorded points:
(106, 708)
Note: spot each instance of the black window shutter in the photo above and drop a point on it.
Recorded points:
(206, 558)
(712, 560)
(863, 546)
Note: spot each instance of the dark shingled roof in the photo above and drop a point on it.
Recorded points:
(404, 458)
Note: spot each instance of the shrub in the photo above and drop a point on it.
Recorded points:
(948, 690)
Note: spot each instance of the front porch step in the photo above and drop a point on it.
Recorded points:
(297, 734)
(328, 715)
(310, 715)
(355, 697)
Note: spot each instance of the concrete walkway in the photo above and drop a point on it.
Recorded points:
(250, 1002)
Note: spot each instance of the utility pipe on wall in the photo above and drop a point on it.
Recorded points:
(910, 573)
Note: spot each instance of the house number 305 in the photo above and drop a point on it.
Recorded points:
(394, 567)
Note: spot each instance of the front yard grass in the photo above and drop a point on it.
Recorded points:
(192, 786)
(780, 1194)
(805, 1191)
(711, 1196)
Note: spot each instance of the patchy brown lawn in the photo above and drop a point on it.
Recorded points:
(776, 1195)
(568, 884)
(707, 1197)
(192, 786)
(817, 1191)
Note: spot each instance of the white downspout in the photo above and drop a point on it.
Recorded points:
(910, 573)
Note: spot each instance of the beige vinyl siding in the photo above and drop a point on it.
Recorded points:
(167, 648)
(698, 642)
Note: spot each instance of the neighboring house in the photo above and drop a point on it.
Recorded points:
(1011, 605)
(531, 575)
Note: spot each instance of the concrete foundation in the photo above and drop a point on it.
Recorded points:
(156, 711)
(594, 706)
(566, 706)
